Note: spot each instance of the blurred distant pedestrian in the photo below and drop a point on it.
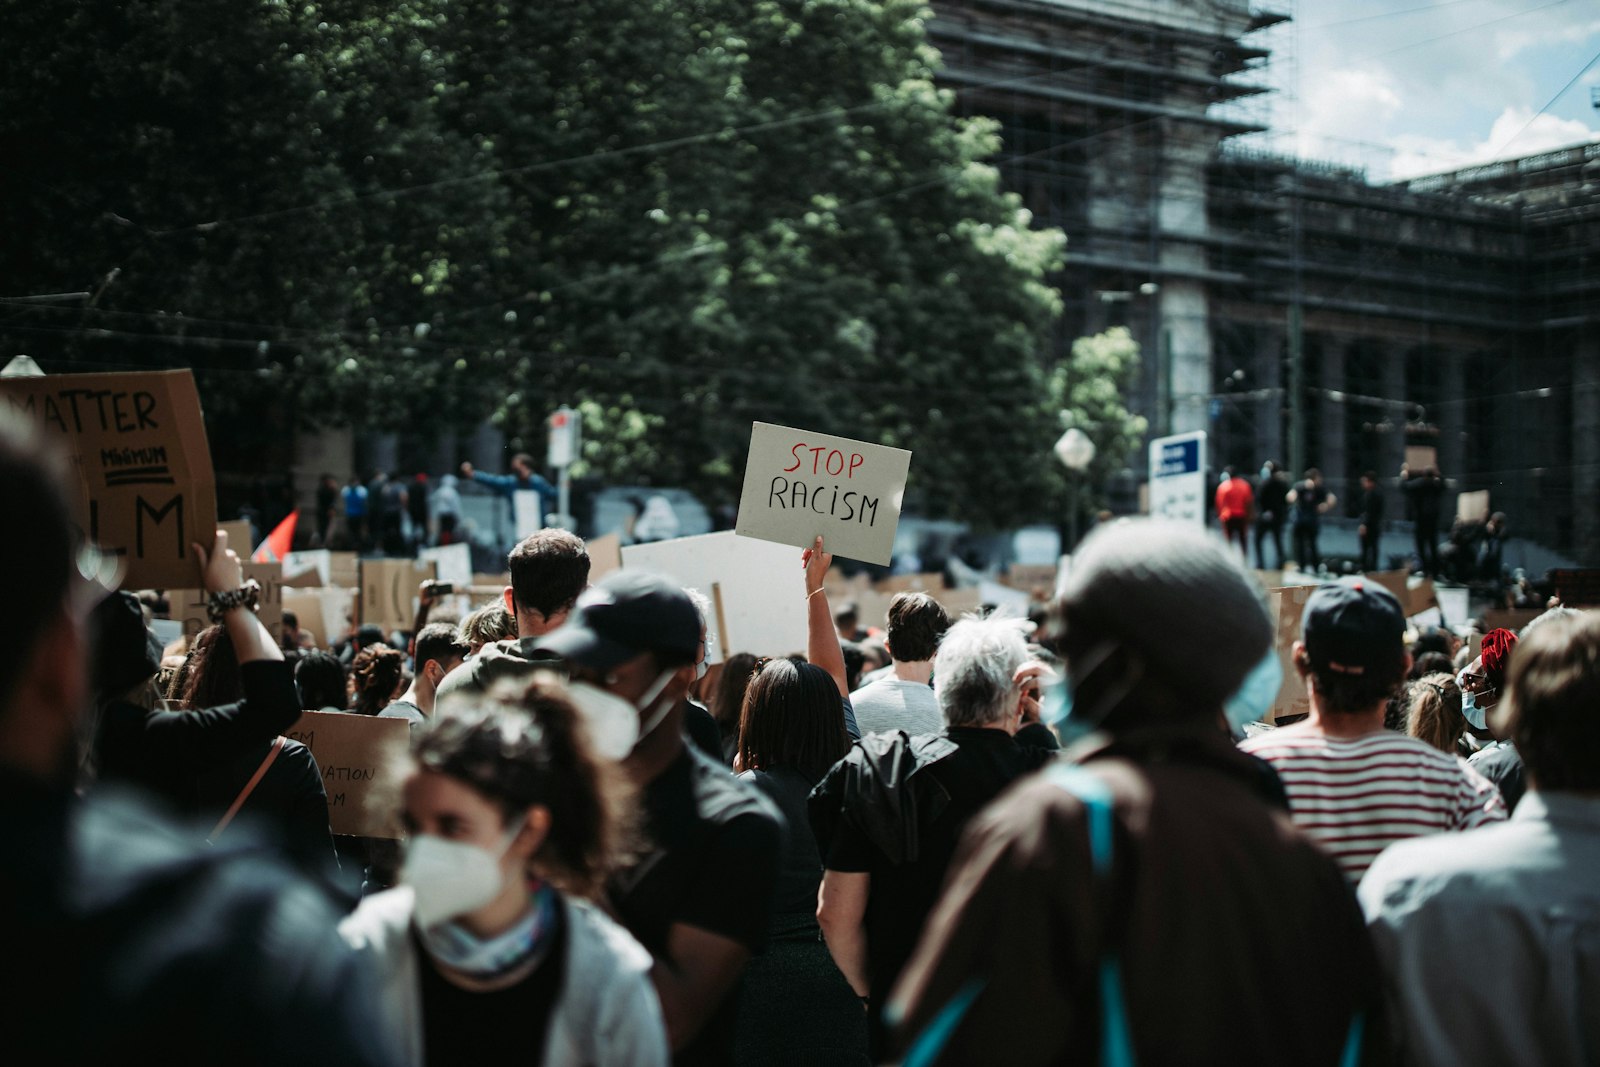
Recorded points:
(1235, 506)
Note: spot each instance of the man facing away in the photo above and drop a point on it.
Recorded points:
(1139, 900)
(1370, 530)
(1354, 786)
(888, 815)
(1491, 940)
(1422, 491)
(902, 700)
(548, 571)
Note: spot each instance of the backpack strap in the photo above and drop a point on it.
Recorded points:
(244, 794)
(1116, 1040)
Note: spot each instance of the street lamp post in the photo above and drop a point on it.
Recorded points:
(1076, 451)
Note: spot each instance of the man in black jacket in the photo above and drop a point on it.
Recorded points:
(1371, 528)
(1272, 506)
(887, 817)
(131, 942)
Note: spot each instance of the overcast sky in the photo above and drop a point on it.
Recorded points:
(1409, 87)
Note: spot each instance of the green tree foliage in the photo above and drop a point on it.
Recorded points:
(684, 215)
(1090, 391)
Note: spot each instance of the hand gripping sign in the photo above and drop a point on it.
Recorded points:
(800, 483)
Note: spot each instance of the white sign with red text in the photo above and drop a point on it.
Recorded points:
(800, 483)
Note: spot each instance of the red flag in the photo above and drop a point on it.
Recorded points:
(278, 542)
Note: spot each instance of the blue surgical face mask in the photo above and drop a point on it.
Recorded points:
(1253, 701)
(1266, 472)
(1058, 706)
(1477, 715)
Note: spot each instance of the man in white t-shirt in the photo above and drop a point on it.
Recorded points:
(1353, 786)
(902, 700)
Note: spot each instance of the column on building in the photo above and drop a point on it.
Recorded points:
(1267, 376)
(1450, 417)
(1328, 451)
(1586, 448)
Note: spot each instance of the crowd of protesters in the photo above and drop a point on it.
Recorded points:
(916, 839)
(1471, 552)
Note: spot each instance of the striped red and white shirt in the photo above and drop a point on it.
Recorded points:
(1357, 796)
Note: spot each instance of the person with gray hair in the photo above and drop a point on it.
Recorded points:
(1134, 901)
(888, 815)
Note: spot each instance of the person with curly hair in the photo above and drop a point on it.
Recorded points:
(492, 941)
(375, 676)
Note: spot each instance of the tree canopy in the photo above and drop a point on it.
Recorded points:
(681, 216)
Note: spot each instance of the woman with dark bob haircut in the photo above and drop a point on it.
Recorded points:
(488, 943)
(796, 1007)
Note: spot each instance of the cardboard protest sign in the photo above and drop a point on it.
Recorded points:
(188, 606)
(141, 482)
(761, 587)
(363, 760)
(605, 556)
(1037, 578)
(307, 609)
(344, 569)
(527, 512)
(1454, 603)
(1421, 457)
(1473, 507)
(800, 483)
(1513, 619)
(1422, 598)
(1287, 607)
(389, 591)
(239, 537)
(1394, 582)
(318, 561)
(1577, 588)
(338, 613)
(452, 563)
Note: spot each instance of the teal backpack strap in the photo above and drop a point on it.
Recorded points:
(1116, 1040)
(930, 1043)
(1352, 1043)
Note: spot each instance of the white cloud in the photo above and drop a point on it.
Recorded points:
(1510, 43)
(1517, 132)
(1345, 106)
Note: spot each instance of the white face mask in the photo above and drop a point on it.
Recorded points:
(613, 723)
(452, 878)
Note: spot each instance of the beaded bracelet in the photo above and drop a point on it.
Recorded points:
(247, 595)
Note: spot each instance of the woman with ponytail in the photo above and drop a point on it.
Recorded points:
(491, 942)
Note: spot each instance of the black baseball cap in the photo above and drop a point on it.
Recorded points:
(1352, 625)
(626, 614)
